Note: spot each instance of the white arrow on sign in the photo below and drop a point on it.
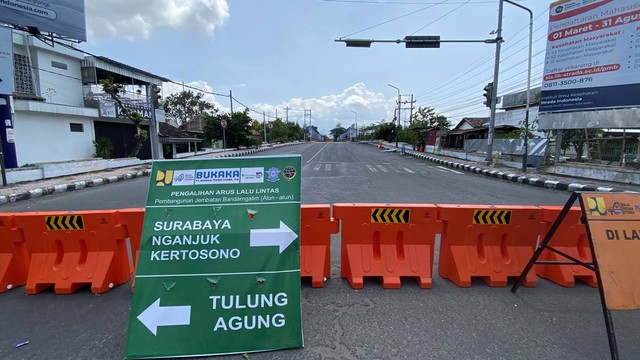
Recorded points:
(155, 316)
(281, 237)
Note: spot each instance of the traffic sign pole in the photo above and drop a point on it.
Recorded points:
(223, 123)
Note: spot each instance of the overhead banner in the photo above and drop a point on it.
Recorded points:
(592, 57)
(6, 61)
(614, 225)
(63, 17)
(219, 264)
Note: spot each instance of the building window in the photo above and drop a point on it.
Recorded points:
(22, 75)
(76, 127)
(59, 65)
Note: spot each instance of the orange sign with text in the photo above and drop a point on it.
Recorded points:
(614, 224)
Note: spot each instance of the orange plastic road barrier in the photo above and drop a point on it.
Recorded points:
(388, 241)
(491, 243)
(316, 227)
(133, 220)
(14, 257)
(72, 249)
(571, 239)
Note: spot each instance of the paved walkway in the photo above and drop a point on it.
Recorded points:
(532, 177)
(32, 189)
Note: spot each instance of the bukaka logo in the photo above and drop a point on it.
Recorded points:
(218, 176)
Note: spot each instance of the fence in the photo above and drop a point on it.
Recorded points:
(616, 148)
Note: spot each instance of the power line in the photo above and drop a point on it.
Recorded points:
(394, 19)
(406, 2)
(441, 17)
(489, 58)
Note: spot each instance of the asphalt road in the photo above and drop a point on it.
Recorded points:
(445, 322)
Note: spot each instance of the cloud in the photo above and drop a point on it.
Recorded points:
(326, 111)
(138, 19)
(330, 110)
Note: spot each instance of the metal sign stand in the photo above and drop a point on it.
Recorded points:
(2, 169)
(608, 320)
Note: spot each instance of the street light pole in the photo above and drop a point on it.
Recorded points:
(398, 119)
(526, 116)
(356, 123)
(496, 72)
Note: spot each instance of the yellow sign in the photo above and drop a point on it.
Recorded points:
(400, 216)
(614, 224)
(500, 217)
(64, 222)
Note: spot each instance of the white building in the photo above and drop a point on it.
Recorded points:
(59, 108)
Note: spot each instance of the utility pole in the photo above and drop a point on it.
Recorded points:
(398, 118)
(496, 71)
(231, 101)
(411, 111)
(410, 108)
(264, 125)
(276, 113)
(307, 127)
(398, 125)
(156, 148)
(287, 110)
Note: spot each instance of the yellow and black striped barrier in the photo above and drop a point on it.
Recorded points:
(393, 216)
(64, 222)
(490, 217)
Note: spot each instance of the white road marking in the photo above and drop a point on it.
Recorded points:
(453, 171)
(319, 151)
(382, 168)
(372, 168)
(409, 171)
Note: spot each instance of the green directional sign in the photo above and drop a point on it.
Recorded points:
(219, 264)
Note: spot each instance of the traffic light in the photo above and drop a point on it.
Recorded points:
(488, 94)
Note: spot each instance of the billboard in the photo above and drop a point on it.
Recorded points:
(6, 61)
(63, 17)
(592, 57)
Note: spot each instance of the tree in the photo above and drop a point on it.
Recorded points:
(520, 132)
(426, 118)
(409, 136)
(281, 131)
(114, 90)
(185, 106)
(337, 131)
(278, 131)
(256, 125)
(385, 131)
(237, 132)
(576, 138)
(294, 131)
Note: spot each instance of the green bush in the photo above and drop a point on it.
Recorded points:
(103, 147)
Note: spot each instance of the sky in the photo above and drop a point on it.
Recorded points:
(279, 54)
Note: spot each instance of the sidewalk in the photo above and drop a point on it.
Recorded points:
(32, 189)
(533, 177)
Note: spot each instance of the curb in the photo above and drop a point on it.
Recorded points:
(30, 194)
(517, 178)
(78, 185)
